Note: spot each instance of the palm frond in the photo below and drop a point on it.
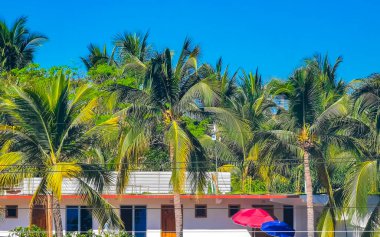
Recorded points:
(218, 149)
(133, 143)
(180, 149)
(373, 224)
(234, 128)
(56, 174)
(326, 223)
(360, 182)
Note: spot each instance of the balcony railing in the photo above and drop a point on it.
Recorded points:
(155, 182)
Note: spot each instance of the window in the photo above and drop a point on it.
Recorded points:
(200, 211)
(10, 211)
(134, 219)
(78, 218)
(233, 209)
(289, 215)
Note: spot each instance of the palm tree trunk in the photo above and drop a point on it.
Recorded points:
(309, 195)
(57, 218)
(177, 202)
(49, 214)
(178, 215)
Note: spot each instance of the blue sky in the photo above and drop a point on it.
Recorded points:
(272, 35)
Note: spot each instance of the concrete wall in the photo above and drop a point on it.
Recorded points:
(217, 222)
(10, 223)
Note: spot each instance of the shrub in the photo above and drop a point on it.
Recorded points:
(32, 231)
(91, 233)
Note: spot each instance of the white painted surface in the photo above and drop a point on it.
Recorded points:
(21, 220)
(216, 224)
(140, 182)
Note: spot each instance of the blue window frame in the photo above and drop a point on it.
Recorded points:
(134, 219)
(78, 219)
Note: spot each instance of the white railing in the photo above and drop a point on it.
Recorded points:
(139, 183)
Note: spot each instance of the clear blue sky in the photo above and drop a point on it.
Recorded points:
(273, 35)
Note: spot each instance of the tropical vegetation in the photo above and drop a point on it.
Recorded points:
(310, 133)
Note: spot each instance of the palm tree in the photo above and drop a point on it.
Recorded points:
(50, 127)
(97, 56)
(307, 130)
(227, 83)
(18, 44)
(364, 177)
(133, 46)
(135, 53)
(257, 106)
(173, 94)
(334, 88)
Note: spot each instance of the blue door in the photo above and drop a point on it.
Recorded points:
(140, 221)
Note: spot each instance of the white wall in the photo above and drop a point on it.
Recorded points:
(300, 220)
(216, 224)
(10, 223)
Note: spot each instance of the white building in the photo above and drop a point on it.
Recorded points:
(146, 208)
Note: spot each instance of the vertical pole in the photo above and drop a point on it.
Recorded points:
(216, 159)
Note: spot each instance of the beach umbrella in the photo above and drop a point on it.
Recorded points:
(253, 218)
(278, 228)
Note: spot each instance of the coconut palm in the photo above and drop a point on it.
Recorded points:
(133, 45)
(18, 44)
(257, 106)
(333, 88)
(306, 132)
(175, 92)
(364, 177)
(227, 83)
(98, 56)
(51, 128)
(135, 53)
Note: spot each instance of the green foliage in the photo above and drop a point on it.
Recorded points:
(254, 186)
(33, 75)
(53, 132)
(32, 231)
(91, 233)
(197, 128)
(17, 44)
(32, 72)
(156, 159)
(102, 73)
(35, 231)
(160, 104)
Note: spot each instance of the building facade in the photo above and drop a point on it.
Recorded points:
(147, 210)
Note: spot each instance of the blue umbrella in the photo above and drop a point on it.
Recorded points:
(278, 228)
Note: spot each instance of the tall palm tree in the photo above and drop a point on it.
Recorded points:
(98, 56)
(51, 127)
(18, 44)
(173, 94)
(307, 130)
(230, 115)
(257, 106)
(364, 177)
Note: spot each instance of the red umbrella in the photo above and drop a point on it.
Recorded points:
(253, 218)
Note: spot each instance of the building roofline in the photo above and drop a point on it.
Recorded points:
(168, 196)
